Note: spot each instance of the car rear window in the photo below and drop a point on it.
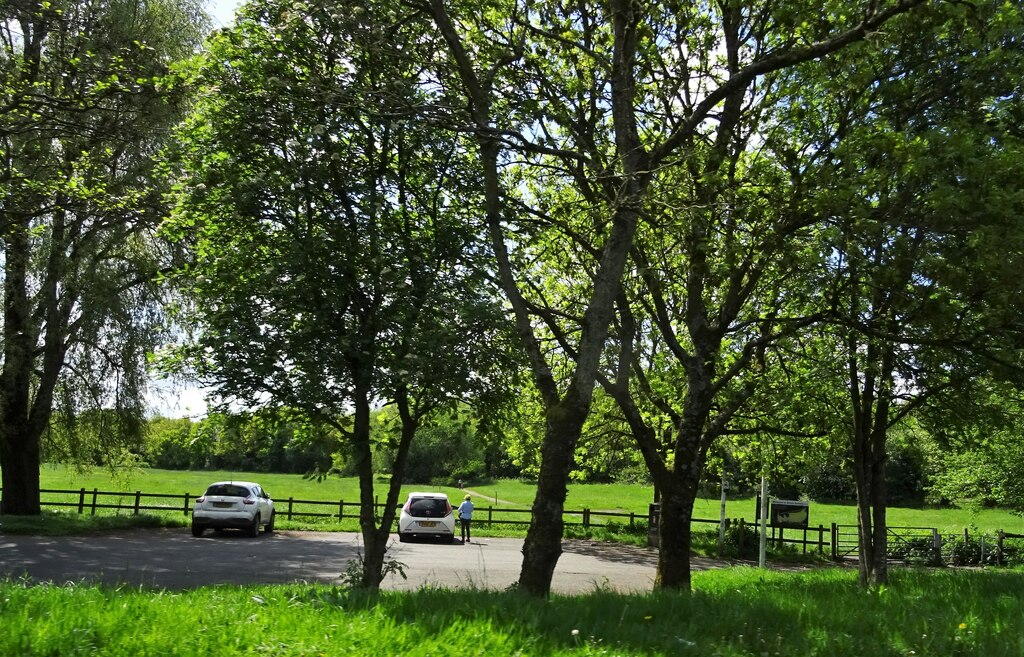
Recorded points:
(428, 507)
(228, 490)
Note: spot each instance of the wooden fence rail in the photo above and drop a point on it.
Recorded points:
(921, 545)
(89, 501)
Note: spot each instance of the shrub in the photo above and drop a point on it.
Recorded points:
(968, 552)
(906, 480)
(917, 550)
(627, 529)
(831, 480)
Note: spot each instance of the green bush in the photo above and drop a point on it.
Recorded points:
(440, 454)
(917, 550)
(831, 480)
(906, 480)
(626, 528)
(968, 552)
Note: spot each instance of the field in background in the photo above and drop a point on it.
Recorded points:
(510, 494)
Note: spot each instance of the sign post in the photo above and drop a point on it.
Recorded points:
(762, 520)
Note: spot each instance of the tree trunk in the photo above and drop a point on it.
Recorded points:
(373, 546)
(543, 544)
(19, 435)
(676, 538)
(870, 400)
(19, 457)
(869, 462)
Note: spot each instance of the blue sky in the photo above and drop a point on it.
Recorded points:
(180, 399)
(222, 11)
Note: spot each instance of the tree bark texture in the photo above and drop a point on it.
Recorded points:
(675, 538)
(373, 546)
(543, 544)
(870, 395)
(19, 434)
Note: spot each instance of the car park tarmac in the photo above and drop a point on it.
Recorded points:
(173, 559)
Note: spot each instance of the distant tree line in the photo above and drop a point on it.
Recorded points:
(921, 469)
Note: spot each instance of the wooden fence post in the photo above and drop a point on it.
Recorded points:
(936, 548)
(81, 501)
(95, 491)
(586, 518)
(290, 501)
(835, 542)
(341, 510)
(1000, 535)
(185, 509)
(138, 501)
(490, 517)
(821, 539)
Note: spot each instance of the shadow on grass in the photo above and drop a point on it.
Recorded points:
(57, 523)
(744, 611)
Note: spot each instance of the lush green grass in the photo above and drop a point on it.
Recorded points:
(624, 498)
(739, 612)
(194, 482)
(63, 523)
(510, 494)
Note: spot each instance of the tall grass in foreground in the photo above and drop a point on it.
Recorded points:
(739, 612)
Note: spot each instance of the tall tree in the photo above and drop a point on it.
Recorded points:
(82, 115)
(915, 188)
(609, 97)
(336, 265)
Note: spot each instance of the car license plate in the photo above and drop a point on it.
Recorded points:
(428, 523)
(223, 505)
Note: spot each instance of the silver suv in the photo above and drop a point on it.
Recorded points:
(233, 504)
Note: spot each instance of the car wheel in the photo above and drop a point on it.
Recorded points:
(402, 538)
(197, 531)
(270, 525)
(254, 529)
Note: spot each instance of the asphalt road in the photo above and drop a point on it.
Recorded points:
(173, 559)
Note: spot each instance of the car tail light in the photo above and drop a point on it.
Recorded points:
(200, 500)
(249, 500)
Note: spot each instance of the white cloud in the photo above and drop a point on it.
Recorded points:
(222, 12)
(174, 400)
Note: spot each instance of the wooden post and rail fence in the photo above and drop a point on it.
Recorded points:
(924, 545)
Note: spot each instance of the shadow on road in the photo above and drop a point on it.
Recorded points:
(173, 559)
(628, 554)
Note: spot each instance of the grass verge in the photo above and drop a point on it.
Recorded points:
(63, 523)
(734, 613)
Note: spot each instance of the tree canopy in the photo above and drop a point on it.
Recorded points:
(83, 114)
(731, 234)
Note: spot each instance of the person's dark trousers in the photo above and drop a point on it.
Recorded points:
(465, 530)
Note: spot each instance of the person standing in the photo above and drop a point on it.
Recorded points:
(465, 515)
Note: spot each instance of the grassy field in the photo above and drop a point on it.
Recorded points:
(740, 612)
(505, 494)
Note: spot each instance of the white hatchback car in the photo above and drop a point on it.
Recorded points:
(427, 515)
(233, 504)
